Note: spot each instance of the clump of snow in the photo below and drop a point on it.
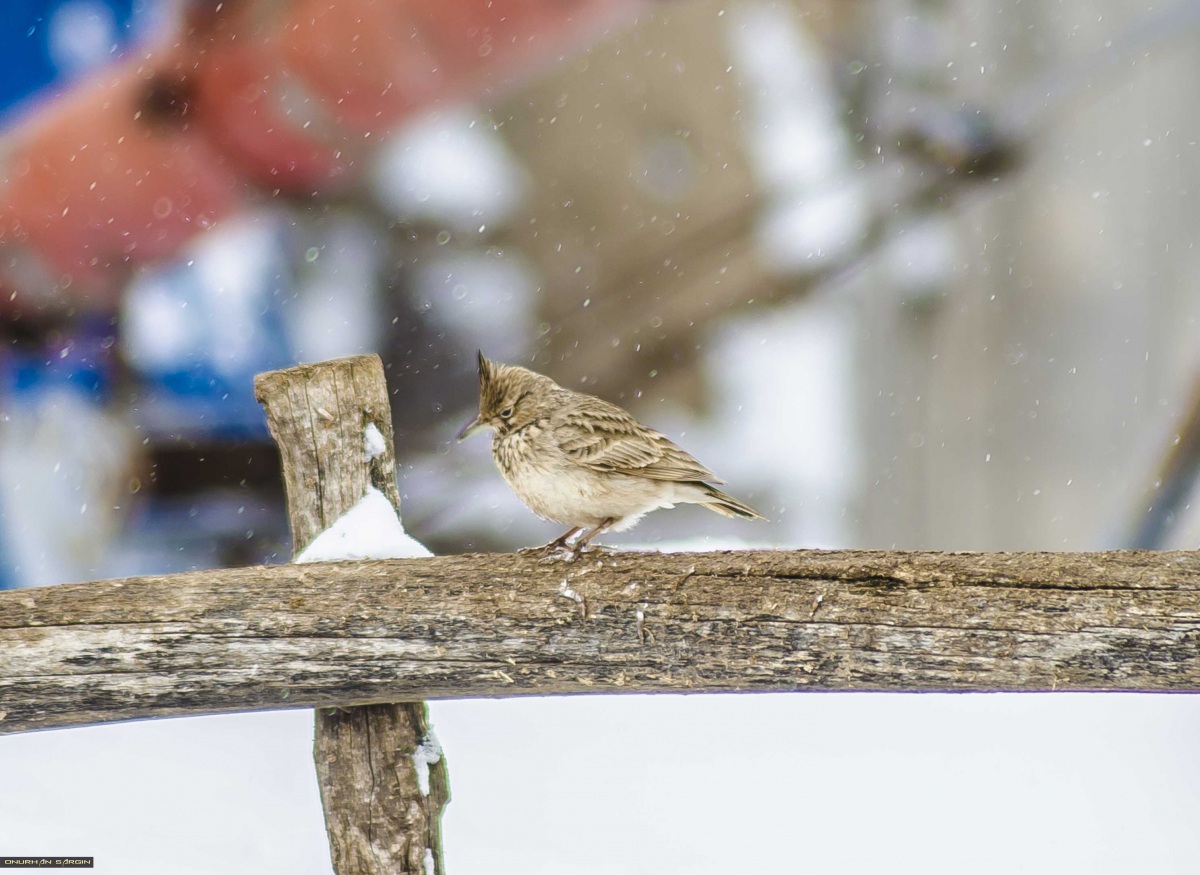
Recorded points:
(369, 530)
(428, 753)
(374, 445)
(427, 862)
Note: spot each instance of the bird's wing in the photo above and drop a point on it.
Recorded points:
(601, 436)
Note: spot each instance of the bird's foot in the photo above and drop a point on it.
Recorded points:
(549, 553)
(580, 550)
(559, 544)
(568, 547)
(584, 541)
(576, 552)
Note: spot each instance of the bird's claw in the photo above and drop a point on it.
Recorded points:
(550, 552)
(569, 546)
(562, 552)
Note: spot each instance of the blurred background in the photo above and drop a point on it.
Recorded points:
(916, 274)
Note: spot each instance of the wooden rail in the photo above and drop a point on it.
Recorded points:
(505, 625)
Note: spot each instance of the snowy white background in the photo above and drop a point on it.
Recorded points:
(638, 785)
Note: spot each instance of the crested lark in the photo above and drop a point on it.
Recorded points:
(582, 462)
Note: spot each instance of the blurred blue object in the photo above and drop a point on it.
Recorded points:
(61, 380)
(198, 384)
(46, 42)
(197, 331)
(80, 359)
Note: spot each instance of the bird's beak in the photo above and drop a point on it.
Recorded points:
(471, 427)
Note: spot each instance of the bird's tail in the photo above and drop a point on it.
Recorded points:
(726, 505)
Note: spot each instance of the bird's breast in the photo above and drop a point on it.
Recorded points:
(519, 449)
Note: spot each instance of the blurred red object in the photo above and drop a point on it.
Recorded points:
(250, 96)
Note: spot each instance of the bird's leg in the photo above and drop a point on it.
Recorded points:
(559, 543)
(583, 542)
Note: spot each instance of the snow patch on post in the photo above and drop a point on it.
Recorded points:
(428, 753)
(369, 530)
(374, 446)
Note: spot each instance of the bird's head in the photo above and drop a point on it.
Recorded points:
(510, 398)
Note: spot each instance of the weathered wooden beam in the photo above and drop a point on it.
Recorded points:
(382, 778)
(505, 625)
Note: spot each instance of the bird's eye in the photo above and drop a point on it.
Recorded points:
(506, 413)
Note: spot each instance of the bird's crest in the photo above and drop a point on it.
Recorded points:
(492, 385)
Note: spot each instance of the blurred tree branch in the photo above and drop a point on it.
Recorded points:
(1172, 484)
(658, 299)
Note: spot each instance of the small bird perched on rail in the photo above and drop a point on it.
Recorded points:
(580, 461)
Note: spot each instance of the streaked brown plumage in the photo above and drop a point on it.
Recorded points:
(580, 461)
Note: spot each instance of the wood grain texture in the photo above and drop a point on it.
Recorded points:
(384, 810)
(505, 625)
(317, 415)
(383, 806)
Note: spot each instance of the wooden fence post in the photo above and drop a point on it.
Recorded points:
(383, 781)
